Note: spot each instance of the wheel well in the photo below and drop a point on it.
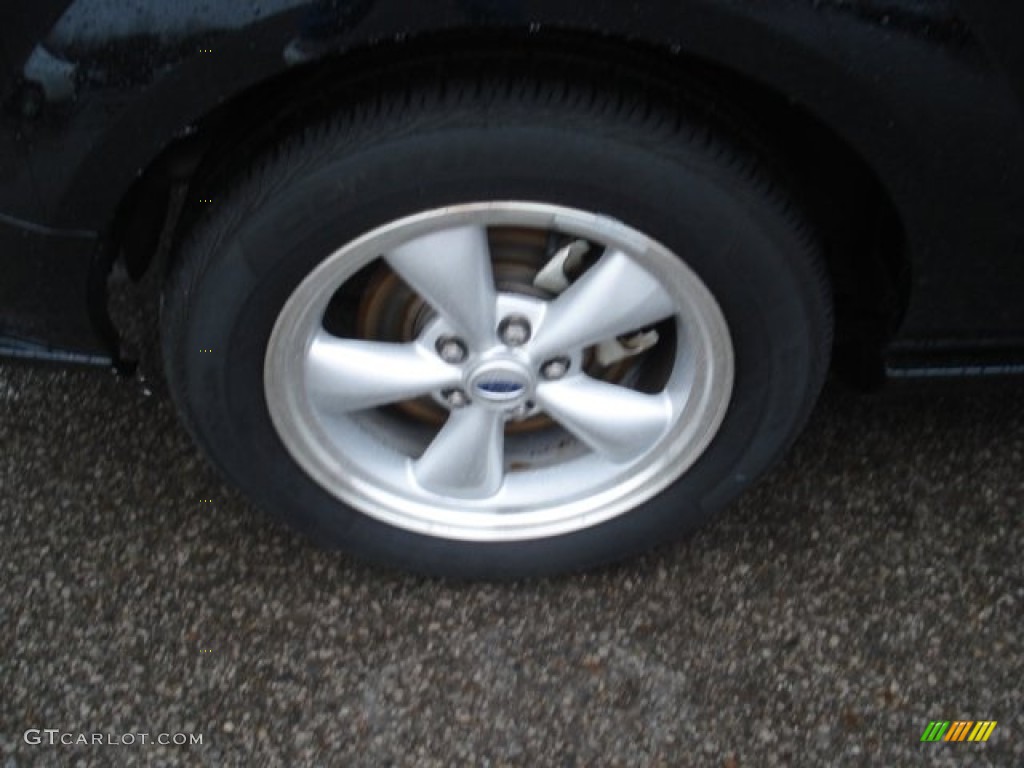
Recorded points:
(856, 219)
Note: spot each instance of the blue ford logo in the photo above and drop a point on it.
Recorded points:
(501, 382)
(500, 386)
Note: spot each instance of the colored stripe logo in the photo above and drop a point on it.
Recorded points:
(958, 730)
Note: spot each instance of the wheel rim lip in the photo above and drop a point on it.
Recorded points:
(700, 408)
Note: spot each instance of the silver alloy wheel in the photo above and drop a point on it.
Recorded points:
(492, 357)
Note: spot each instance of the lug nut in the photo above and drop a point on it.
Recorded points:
(456, 398)
(555, 368)
(451, 349)
(521, 411)
(514, 330)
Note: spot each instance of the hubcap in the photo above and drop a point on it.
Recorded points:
(513, 401)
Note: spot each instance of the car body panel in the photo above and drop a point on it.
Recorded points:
(923, 91)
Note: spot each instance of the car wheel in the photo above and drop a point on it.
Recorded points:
(496, 331)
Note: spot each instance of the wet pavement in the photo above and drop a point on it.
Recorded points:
(872, 583)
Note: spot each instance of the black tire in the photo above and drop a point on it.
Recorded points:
(566, 142)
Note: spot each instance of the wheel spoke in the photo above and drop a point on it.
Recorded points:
(451, 270)
(617, 422)
(467, 458)
(345, 375)
(613, 297)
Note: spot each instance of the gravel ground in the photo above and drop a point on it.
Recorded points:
(874, 582)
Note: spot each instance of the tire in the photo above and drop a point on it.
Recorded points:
(331, 327)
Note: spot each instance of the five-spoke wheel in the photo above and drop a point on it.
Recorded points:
(496, 325)
(620, 357)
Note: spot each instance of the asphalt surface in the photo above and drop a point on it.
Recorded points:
(872, 583)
